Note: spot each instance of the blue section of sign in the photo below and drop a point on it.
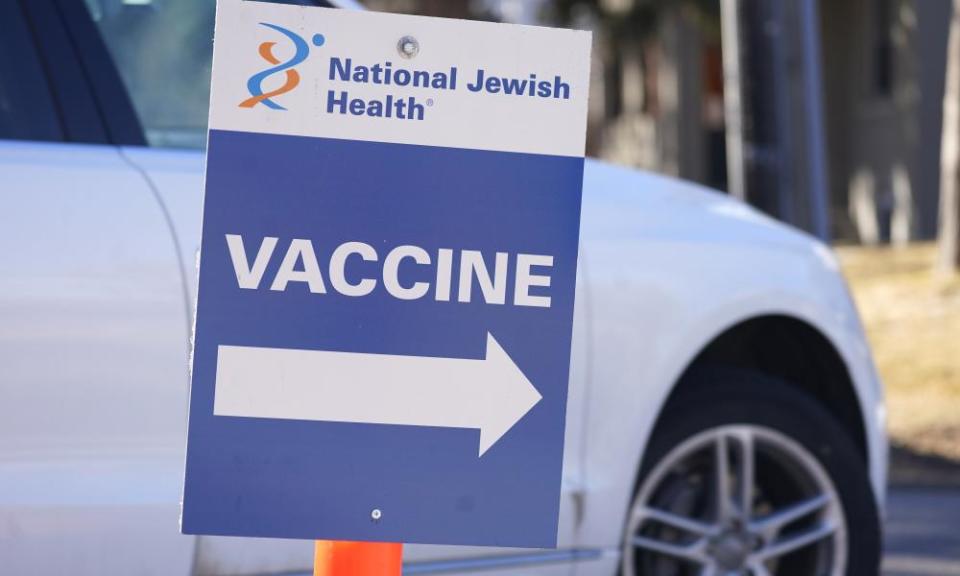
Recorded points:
(321, 480)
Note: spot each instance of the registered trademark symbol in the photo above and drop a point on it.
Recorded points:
(429, 101)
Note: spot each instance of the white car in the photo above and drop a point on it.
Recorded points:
(725, 416)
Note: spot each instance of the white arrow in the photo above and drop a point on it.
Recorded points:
(490, 394)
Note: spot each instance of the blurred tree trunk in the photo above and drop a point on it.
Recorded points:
(950, 153)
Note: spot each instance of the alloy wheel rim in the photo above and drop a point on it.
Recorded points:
(740, 500)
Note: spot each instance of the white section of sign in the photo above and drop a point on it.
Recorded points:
(490, 394)
(550, 121)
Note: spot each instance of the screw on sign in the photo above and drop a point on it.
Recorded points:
(408, 47)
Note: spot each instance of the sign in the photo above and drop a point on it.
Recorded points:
(387, 278)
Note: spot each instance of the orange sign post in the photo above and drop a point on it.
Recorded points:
(334, 558)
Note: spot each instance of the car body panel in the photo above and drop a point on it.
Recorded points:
(670, 266)
(93, 379)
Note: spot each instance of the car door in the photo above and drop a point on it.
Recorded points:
(93, 323)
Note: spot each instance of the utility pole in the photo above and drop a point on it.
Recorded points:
(949, 233)
(816, 142)
(732, 92)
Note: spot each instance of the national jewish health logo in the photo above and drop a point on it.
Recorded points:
(292, 77)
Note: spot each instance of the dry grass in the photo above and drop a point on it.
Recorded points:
(912, 317)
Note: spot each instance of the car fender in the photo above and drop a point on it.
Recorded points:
(669, 267)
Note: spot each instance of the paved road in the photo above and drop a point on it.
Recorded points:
(923, 533)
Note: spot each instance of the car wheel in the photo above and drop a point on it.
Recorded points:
(747, 475)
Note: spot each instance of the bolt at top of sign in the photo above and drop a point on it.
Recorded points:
(408, 47)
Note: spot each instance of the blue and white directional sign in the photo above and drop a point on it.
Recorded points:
(387, 278)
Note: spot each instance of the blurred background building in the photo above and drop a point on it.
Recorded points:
(826, 115)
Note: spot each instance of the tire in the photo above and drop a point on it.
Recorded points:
(800, 460)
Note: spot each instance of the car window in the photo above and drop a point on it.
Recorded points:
(162, 50)
(27, 111)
